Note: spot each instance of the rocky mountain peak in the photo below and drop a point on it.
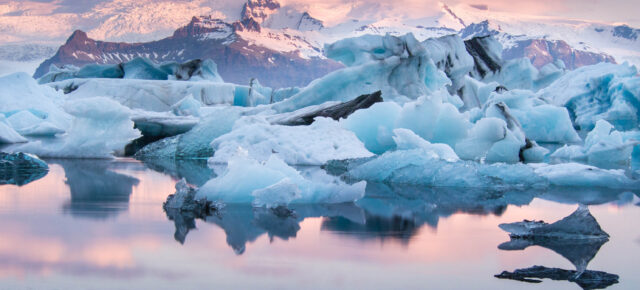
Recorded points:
(259, 10)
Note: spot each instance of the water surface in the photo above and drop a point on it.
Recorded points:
(100, 225)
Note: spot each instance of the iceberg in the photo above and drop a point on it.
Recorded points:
(397, 66)
(100, 129)
(603, 91)
(449, 53)
(586, 280)
(19, 92)
(540, 121)
(315, 144)
(21, 168)
(138, 68)
(430, 117)
(579, 225)
(196, 143)
(275, 183)
(603, 146)
(28, 124)
(7, 134)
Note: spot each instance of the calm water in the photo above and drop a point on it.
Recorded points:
(100, 225)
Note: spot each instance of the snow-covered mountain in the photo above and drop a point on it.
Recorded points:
(242, 50)
(289, 30)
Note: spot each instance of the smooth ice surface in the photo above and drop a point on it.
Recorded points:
(315, 144)
(273, 183)
(100, 129)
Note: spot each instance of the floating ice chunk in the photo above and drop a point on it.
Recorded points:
(580, 175)
(188, 106)
(7, 134)
(603, 145)
(418, 168)
(275, 183)
(20, 92)
(315, 144)
(27, 124)
(100, 129)
(21, 168)
(579, 225)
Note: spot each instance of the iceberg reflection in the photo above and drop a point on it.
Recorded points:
(97, 192)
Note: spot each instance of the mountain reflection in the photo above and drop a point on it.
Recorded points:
(97, 192)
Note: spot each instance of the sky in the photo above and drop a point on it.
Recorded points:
(612, 11)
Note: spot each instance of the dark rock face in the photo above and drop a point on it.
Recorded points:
(542, 52)
(587, 279)
(484, 60)
(238, 60)
(625, 31)
(21, 168)
(337, 112)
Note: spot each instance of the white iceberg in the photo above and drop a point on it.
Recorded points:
(100, 129)
(315, 144)
(274, 183)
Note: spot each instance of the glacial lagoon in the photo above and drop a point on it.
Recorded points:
(100, 224)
